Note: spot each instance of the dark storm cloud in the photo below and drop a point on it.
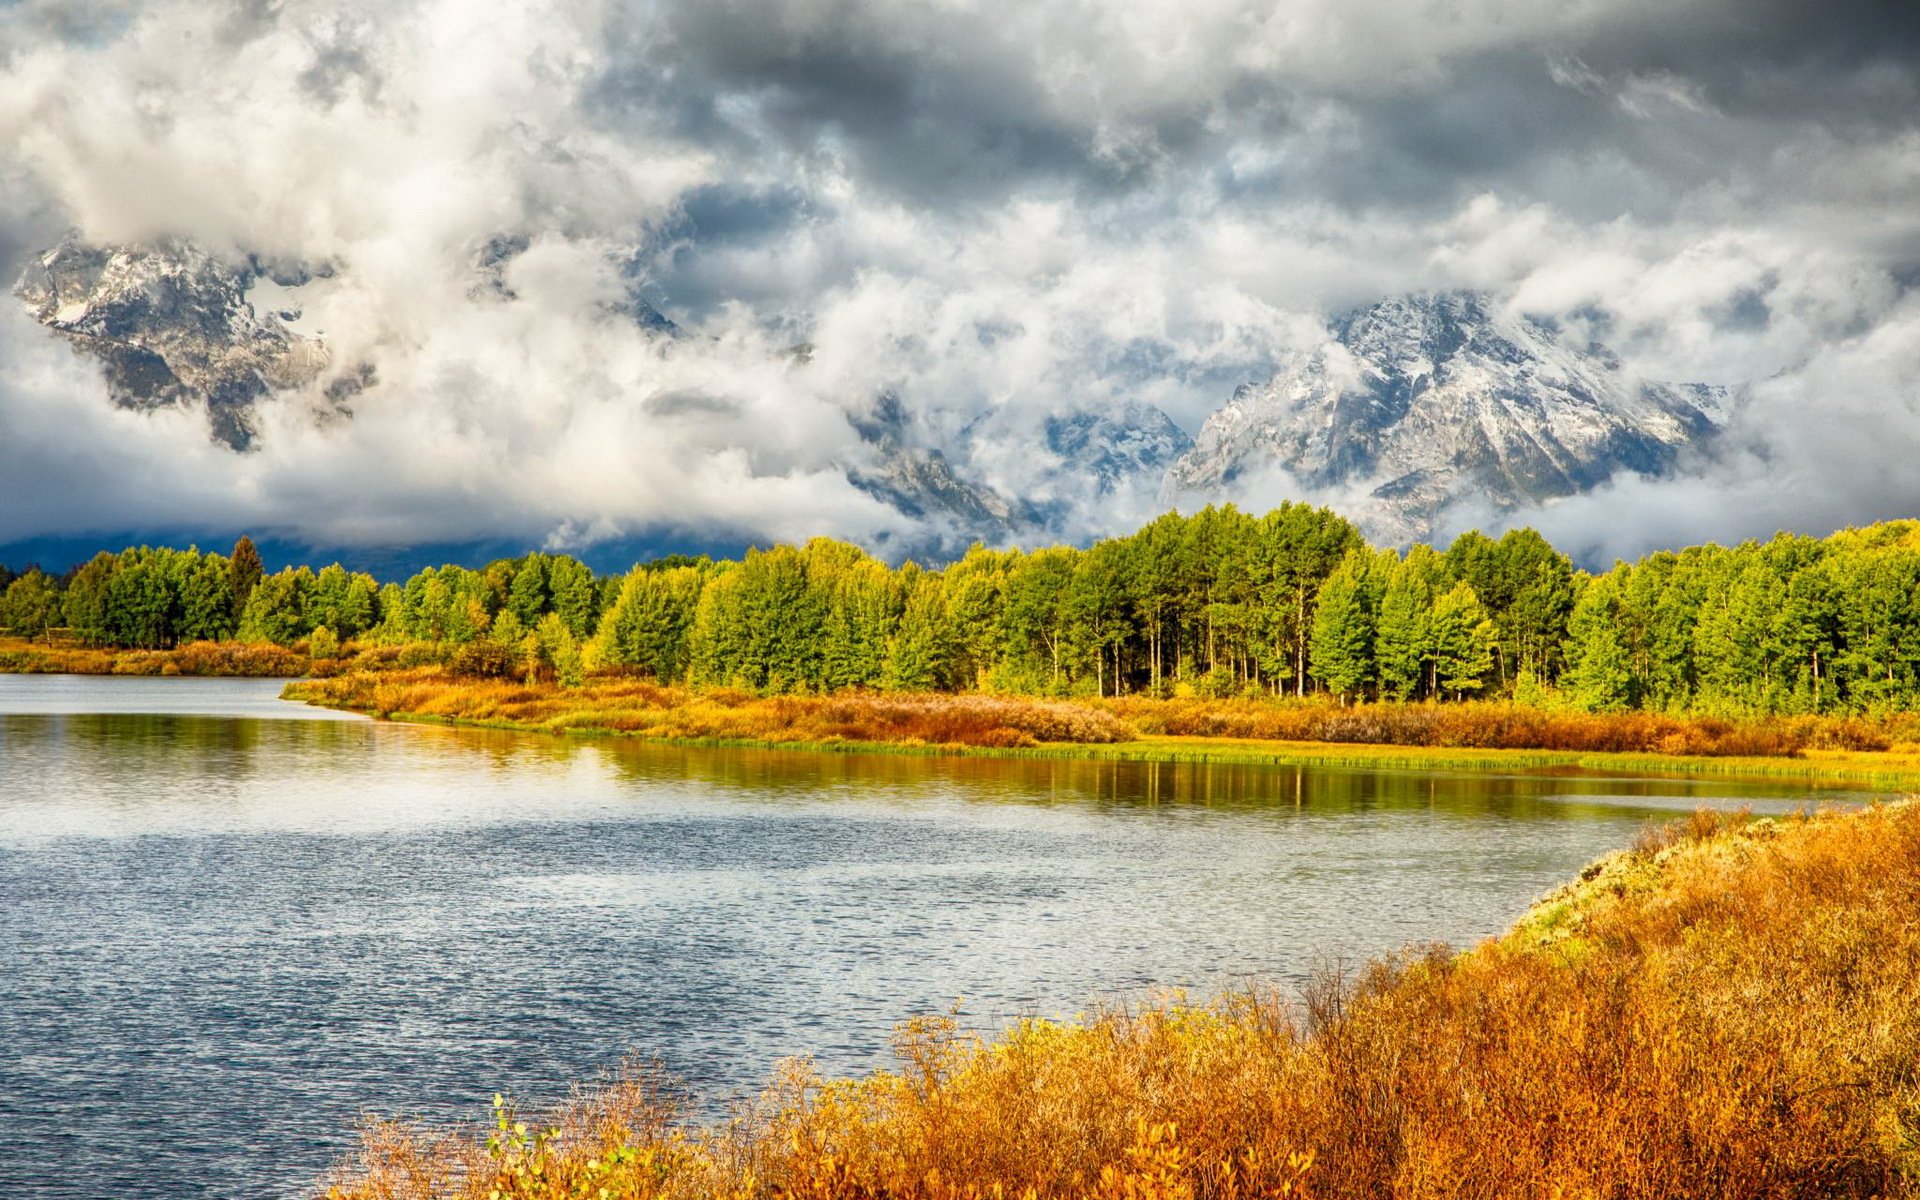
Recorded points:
(944, 105)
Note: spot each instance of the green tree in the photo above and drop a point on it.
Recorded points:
(649, 625)
(919, 656)
(142, 605)
(31, 607)
(1599, 675)
(862, 609)
(322, 643)
(1461, 637)
(276, 609)
(1033, 623)
(560, 650)
(244, 572)
(86, 599)
(570, 593)
(528, 597)
(1402, 633)
(1343, 627)
(206, 601)
(762, 625)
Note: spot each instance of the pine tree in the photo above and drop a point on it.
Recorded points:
(244, 571)
(528, 597)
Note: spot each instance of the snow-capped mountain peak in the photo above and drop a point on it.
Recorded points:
(1418, 403)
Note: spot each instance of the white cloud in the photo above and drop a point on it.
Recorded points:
(991, 208)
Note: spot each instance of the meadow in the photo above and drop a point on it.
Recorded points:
(1729, 1008)
(1880, 754)
(255, 659)
(421, 682)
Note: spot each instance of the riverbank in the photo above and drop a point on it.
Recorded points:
(1726, 1009)
(226, 659)
(1134, 729)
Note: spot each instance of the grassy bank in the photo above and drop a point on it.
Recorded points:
(1817, 751)
(624, 705)
(257, 659)
(1724, 1010)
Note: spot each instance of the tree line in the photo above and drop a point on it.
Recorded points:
(1215, 603)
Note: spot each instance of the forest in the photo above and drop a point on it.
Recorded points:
(1215, 603)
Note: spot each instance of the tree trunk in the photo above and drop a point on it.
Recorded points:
(1300, 645)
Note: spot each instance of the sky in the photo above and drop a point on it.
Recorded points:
(996, 210)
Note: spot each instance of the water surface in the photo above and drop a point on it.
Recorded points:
(229, 925)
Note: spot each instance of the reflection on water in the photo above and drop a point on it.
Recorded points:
(221, 938)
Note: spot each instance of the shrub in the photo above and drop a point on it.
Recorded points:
(486, 659)
(1730, 1011)
(322, 644)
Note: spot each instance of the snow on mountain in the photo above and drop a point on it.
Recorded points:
(1113, 447)
(918, 480)
(172, 324)
(1412, 406)
(1420, 403)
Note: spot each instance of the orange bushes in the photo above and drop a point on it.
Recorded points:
(395, 680)
(629, 705)
(195, 658)
(1497, 726)
(1734, 1014)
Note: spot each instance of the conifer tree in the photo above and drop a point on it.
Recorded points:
(244, 571)
(528, 596)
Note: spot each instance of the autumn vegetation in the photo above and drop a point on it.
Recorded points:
(256, 659)
(608, 702)
(1729, 1009)
(1215, 625)
(626, 705)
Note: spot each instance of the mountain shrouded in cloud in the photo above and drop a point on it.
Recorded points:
(573, 271)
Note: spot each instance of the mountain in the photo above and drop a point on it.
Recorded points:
(1117, 446)
(1420, 403)
(172, 324)
(919, 482)
(1411, 407)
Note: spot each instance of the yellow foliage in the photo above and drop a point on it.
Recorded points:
(1742, 1020)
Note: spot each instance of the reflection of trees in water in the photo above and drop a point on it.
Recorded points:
(216, 754)
(215, 749)
(1226, 786)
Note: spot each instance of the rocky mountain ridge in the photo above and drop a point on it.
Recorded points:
(1413, 407)
(1420, 404)
(172, 324)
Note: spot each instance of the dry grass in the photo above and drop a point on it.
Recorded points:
(1500, 726)
(405, 681)
(634, 706)
(1723, 1012)
(262, 659)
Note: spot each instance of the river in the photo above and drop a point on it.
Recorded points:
(230, 925)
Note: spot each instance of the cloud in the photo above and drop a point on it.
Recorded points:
(996, 210)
